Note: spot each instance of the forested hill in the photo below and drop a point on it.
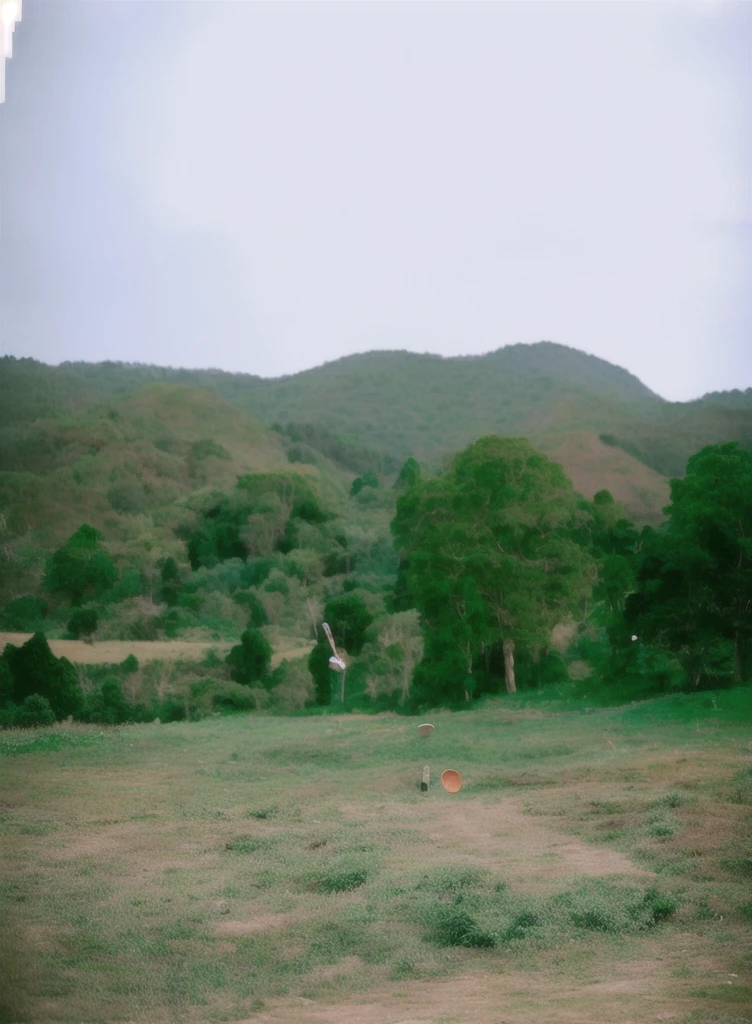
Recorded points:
(598, 420)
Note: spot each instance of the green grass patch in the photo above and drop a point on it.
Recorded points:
(150, 875)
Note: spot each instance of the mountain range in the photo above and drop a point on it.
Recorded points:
(113, 439)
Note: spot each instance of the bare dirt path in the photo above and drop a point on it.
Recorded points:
(626, 993)
(501, 836)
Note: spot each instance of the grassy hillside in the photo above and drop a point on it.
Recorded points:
(133, 456)
(110, 440)
(423, 405)
(592, 466)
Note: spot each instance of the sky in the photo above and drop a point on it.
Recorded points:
(267, 185)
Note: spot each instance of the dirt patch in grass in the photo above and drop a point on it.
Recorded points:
(637, 991)
(502, 837)
(259, 922)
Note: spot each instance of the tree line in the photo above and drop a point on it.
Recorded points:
(500, 548)
(490, 556)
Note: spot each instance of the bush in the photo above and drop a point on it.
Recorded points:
(23, 614)
(170, 576)
(81, 567)
(170, 710)
(249, 661)
(210, 695)
(344, 880)
(455, 927)
(277, 584)
(318, 666)
(145, 627)
(248, 600)
(131, 584)
(367, 480)
(349, 619)
(83, 623)
(33, 713)
(108, 706)
(34, 669)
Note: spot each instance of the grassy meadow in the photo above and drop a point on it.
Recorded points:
(595, 867)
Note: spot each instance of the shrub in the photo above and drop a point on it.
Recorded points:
(659, 906)
(7, 714)
(170, 710)
(6, 682)
(108, 706)
(210, 695)
(131, 584)
(81, 567)
(277, 584)
(594, 906)
(453, 926)
(318, 666)
(257, 613)
(145, 627)
(23, 614)
(34, 669)
(83, 623)
(340, 880)
(349, 619)
(34, 712)
(520, 927)
(249, 661)
(367, 480)
(410, 475)
(309, 510)
(170, 576)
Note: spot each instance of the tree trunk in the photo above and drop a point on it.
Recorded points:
(509, 666)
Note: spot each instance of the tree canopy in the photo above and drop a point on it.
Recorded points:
(492, 558)
(693, 593)
(34, 669)
(81, 567)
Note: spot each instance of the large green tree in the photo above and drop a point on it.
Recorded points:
(492, 556)
(693, 594)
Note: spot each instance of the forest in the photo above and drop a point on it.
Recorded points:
(139, 504)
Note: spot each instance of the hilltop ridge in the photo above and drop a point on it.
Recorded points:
(599, 420)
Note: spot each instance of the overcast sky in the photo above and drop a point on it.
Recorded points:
(265, 186)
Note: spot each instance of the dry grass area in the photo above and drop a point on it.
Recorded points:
(289, 871)
(111, 652)
(593, 466)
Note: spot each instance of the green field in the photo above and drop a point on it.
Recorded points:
(595, 868)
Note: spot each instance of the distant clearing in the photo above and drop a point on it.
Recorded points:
(111, 652)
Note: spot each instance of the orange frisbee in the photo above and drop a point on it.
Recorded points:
(451, 780)
(425, 730)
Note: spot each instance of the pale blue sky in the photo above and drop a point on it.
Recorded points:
(264, 186)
